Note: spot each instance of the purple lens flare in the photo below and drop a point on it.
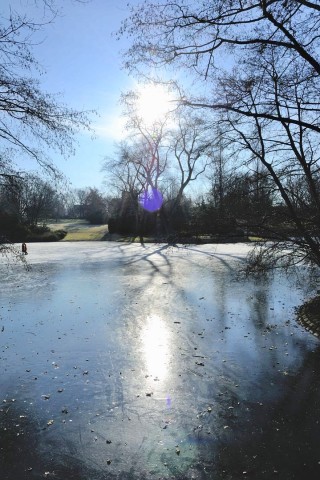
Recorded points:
(151, 199)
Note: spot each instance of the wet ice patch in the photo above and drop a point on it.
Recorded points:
(156, 346)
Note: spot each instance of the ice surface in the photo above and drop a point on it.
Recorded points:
(127, 361)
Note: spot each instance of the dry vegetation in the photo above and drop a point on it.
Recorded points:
(79, 230)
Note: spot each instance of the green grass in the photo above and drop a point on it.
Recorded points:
(79, 230)
(255, 239)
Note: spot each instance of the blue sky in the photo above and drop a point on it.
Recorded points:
(82, 62)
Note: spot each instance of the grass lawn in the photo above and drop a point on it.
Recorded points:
(79, 230)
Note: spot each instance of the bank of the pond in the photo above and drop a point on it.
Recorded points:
(309, 315)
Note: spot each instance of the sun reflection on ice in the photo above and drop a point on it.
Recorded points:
(155, 340)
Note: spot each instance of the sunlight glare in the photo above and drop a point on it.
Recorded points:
(154, 103)
(155, 340)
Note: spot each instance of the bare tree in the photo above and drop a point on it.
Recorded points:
(95, 206)
(32, 122)
(80, 201)
(146, 140)
(136, 168)
(219, 176)
(286, 147)
(191, 150)
(191, 33)
(267, 95)
(29, 198)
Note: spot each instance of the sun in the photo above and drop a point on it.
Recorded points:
(154, 103)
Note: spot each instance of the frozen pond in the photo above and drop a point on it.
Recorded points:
(120, 361)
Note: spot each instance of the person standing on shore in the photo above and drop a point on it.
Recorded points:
(24, 248)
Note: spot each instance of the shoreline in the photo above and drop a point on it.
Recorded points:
(308, 315)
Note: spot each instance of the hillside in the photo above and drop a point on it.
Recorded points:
(79, 230)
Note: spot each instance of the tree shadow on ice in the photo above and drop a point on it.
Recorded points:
(152, 257)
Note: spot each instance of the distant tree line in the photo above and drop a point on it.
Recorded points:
(25, 204)
(235, 204)
(29, 202)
